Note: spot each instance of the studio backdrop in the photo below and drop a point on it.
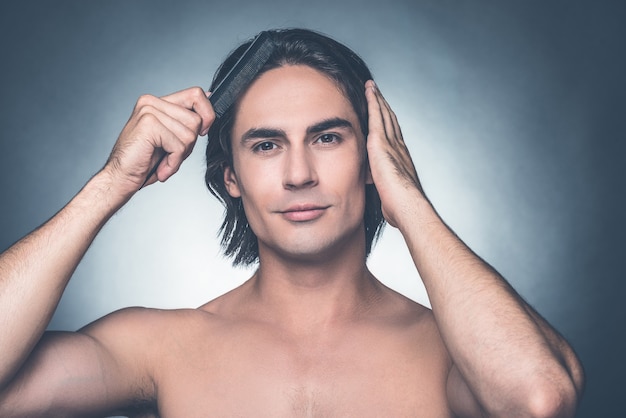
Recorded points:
(513, 112)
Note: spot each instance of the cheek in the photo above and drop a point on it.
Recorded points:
(256, 187)
(247, 177)
(347, 179)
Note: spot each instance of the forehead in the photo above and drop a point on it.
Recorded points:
(291, 98)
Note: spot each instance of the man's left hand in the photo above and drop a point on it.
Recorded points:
(390, 163)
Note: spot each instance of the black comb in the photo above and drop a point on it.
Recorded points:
(242, 73)
(238, 78)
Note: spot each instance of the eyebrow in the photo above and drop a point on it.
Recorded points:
(327, 124)
(261, 133)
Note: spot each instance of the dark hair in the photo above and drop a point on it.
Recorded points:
(292, 47)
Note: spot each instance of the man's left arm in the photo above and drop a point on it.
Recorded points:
(507, 360)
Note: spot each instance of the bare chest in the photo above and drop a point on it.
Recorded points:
(250, 375)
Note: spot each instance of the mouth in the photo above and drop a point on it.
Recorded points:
(303, 213)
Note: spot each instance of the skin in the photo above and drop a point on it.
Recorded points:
(312, 333)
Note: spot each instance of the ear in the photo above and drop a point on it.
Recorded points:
(231, 183)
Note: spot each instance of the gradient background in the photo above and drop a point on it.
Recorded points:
(513, 111)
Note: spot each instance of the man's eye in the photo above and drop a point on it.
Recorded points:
(265, 146)
(328, 138)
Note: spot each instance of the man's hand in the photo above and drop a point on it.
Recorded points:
(170, 125)
(391, 165)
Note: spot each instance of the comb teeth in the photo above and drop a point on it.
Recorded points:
(242, 73)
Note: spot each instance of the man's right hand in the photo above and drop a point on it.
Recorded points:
(35, 270)
(169, 124)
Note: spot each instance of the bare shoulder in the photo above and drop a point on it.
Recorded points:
(413, 323)
(138, 326)
(156, 334)
(151, 334)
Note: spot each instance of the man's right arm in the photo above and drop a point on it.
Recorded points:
(35, 271)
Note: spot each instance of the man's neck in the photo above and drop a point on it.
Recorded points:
(308, 295)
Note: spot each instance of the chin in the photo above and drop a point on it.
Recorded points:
(316, 249)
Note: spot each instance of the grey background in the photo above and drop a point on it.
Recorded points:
(513, 112)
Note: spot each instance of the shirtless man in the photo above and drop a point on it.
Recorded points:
(312, 333)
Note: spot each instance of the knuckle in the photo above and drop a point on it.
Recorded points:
(144, 100)
(188, 138)
(197, 91)
(146, 109)
(146, 117)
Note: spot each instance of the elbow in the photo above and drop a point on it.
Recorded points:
(558, 394)
(552, 395)
(554, 399)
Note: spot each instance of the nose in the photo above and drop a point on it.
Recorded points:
(299, 169)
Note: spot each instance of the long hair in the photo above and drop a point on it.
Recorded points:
(292, 47)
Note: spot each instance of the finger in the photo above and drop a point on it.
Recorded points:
(391, 122)
(179, 129)
(172, 153)
(393, 118)
(389, 130)
(189, 118)
(384, 111)
(384, 120)
(170, 142)
(376, 122)
(195, 99)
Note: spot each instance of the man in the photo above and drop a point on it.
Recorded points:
(299, 161)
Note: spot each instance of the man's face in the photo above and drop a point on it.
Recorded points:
(298, 159)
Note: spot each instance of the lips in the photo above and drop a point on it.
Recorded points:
(303, 212)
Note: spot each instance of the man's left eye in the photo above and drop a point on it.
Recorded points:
(265, 146)
(328, 138)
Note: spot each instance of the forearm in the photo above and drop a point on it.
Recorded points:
(505, 356)
(35, 270)
(504, 350)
